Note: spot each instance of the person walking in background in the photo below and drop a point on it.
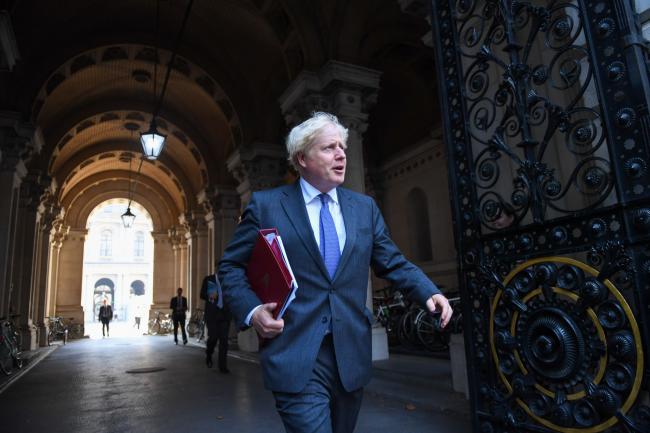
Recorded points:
(317, 358)
(178, 306)
(138, 316)
(105, 316)
(217, 320)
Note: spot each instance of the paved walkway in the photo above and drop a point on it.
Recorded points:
(89, 386)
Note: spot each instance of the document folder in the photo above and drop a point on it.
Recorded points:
(269, 272)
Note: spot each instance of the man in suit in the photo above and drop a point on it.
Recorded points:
(178, 306)
(105, 316)
(217, 320)
(318, 357)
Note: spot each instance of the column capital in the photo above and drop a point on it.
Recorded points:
(218, 200)
(176, 235)
(260, 166)
(193, 222)
(19, 141)
(49, 209)
(58, 232)
(32, 189)
(347, 90)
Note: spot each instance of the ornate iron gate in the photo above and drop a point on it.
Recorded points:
(548, 134)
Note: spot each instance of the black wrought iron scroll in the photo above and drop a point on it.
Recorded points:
(533, 115)
(547, 127)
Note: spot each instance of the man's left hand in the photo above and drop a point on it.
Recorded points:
(439, 303)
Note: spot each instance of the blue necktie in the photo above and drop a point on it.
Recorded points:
(329, 240)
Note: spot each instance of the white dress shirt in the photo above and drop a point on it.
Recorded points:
(313, 205)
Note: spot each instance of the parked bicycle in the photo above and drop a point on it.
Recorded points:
(389, 309)
(9, 346)
(58, 330)
(161, 324)
(196, 325)
(413, 327)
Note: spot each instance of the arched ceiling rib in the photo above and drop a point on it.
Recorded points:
(86, 195)
(78, 216)
(116, 131)
(125, 74)
(250, 47)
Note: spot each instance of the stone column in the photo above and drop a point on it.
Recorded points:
(18, 142)
(262, 166)
(196, 234)
(48, 210)
(259, 167)
(164, 269)
(222, 213)
(12, 171)
(70, 276)
(348, 91)
(23, 257)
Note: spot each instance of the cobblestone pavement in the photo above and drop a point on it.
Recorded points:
(102, 385)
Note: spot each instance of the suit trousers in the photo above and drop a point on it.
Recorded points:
(105, 323)
(323, 406)
(218, 331)
(179, 319)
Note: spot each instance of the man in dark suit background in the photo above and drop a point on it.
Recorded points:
(217, 320)
(178, 306)
(105, 315)
(318, 357)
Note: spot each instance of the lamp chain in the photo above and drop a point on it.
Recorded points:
(171, 60)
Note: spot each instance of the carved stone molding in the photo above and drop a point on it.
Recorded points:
(349, 91)
(216, 200)
(260, 167)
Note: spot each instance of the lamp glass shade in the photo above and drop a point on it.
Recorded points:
(152, 143)
(128, 218)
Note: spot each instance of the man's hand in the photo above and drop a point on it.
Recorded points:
(264, 322)
(440, 303)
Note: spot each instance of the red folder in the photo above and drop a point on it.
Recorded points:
(267, 272)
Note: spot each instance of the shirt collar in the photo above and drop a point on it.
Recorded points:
(309, 192)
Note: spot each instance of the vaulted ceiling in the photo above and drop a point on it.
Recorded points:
(88, 70)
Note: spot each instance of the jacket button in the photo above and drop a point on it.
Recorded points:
(324, 319)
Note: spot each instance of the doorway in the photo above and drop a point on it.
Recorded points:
(118, 268)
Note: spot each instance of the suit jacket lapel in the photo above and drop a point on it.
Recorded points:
(350, 222)
(293, 204)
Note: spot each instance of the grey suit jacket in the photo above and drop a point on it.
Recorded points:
(287, 360)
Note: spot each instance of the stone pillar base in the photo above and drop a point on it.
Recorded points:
(458, 364)
(28, 337)
(42, 334)
(379, 343)
(71, 313)
(163, 308)
(247, 340)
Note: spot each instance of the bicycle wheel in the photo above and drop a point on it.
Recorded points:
(201, 332)
(406, 330)
(428, 332)
(6, 360)
(50, 337)
(155, 327)
(18, 340)
(65, 336)
(192, 328)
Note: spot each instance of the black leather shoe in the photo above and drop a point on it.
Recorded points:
(176, 342)
(184, 342)
(208, 362)
(224, 370)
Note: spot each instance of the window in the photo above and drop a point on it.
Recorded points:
(138, 246)
(106, 244)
